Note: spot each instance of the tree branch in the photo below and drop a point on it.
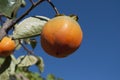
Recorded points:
(3, 30)
(10, 23)
(26, 13)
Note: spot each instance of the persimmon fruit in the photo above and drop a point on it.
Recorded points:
(61, 36)
(7, 46)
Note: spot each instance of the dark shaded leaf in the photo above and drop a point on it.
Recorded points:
(9, 8)
(40, 64)
(33, 43)
(5, 64)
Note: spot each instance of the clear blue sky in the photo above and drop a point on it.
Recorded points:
(98, 57)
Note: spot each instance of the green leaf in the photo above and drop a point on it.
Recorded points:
(50, 77)
(26, 61)
(1, 60)
(9, 8)
(40, 64)
(29, 60)
(18, 45)
(33, 43)
(33, 76)
(4, 76)
(5, 64)
(4, 73)
(26, 40)
(29, 27)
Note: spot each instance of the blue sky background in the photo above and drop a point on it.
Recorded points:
(98, 57)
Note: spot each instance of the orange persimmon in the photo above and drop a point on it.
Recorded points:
(61, 36)
(7, 46)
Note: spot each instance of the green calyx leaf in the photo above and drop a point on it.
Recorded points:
(74, 17)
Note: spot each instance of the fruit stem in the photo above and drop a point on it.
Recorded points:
(53, 6)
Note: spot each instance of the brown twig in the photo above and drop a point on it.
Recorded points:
(3, 30)
(29, 51)
(32, 2)
(27, 12)
(10, 23)
(53, 6)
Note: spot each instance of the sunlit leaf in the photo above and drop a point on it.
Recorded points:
(4, 76)
(18, 46)
(9, 8)
(29, 27)
(26, 61)
(12, 68)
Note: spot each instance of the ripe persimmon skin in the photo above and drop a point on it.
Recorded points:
(61, 36)
(7, 46)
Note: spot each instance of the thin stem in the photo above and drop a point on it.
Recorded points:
(53, 6)
(32, 2)
(29, 51)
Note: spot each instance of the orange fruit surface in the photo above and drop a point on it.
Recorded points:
(7, 46)
(61, 36)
